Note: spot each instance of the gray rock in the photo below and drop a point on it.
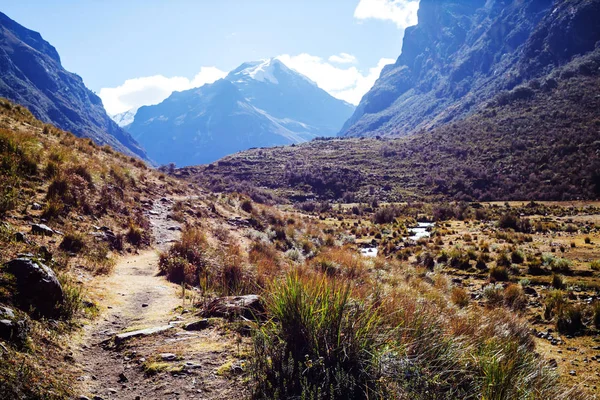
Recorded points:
(168, 357)
(37, 286)
(7, 313)
(36, 206)
(249, 306)
(13, 330)
(122, 337)
(41, 229)
(197, 325)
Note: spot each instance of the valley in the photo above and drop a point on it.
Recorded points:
(251, 234)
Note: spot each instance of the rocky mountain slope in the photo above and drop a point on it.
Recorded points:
(259, 104)
(462, 53)
(31, 74)
(538, 141)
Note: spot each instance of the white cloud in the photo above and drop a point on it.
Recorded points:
(137, 92)
(348, 84)
(343, 58)
(402, 12)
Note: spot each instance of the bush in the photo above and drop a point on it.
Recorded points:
(73, 242)
(570, 319)
(247, 206)
(515, 298)
(319, 344)
(460, 297)
(517, 257)
(186, 261)
(135, 235)
(498, 274)
(557, 282)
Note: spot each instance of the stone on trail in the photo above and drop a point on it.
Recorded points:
(120, 338)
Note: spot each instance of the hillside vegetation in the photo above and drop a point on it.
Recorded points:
(74, 207)
(538, 141)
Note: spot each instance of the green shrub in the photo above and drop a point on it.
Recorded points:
(569, 319)
(319, 345)
(73, 242)
(498, 274)
(187, 259)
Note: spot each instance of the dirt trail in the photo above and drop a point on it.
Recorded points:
(135, 297)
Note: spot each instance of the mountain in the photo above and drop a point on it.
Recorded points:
(259, 104)
(463, 53)
(125, 118)
(31, 74)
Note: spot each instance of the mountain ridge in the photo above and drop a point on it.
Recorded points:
(462, 54)
(32, 75)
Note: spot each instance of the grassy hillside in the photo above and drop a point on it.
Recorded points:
(90, 198)
(536, 142)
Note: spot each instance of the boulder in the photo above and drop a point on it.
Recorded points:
(36, 206)
(41, 229)
(37, 286)
(249, 307)
(11, 328)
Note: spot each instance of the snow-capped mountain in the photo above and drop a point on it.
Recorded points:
(125, 118)
(259, 104)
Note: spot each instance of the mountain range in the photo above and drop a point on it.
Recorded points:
(258, 104)
(31, 74)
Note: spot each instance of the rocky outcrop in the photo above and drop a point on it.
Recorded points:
(37, 287)
(31, 74)
(463, 53)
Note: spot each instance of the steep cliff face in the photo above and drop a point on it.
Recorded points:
(31, 74)
(463, 53)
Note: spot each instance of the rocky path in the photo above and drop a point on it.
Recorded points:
(171, 363)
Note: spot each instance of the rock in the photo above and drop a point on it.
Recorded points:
(123, 378)
(12, 329)
(552, 363)
(530, 291)
(41, 229)
(37, 286)
(120, 338)
(36, 206)
(197, 325)
(572, 373)
(144, 304)
(248, 306)
(20, 237)
(168, 357)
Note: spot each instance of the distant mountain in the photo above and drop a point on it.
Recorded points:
(31, 74)
(125, 118)
(464, 52)
(259, 104)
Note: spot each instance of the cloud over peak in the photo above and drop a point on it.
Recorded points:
(137, 92)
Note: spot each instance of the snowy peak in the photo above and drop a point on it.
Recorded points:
(125, 118)
(270, 70)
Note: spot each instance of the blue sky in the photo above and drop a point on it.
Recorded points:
(137, 52)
